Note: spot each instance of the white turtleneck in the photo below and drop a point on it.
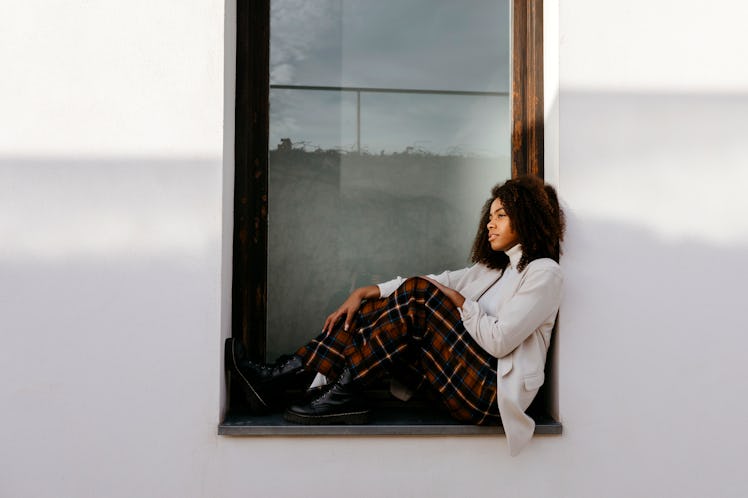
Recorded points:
(490, 301)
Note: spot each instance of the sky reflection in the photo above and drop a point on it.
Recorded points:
(416, 44)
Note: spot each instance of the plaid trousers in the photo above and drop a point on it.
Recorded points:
(417, 326)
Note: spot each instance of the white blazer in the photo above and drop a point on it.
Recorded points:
(518, 334)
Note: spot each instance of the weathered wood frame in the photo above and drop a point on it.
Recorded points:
(249, 290)
(527, 87)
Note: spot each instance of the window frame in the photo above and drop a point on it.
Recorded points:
(252, 125)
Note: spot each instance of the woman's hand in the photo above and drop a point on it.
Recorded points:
(454, 296)
(350, 306)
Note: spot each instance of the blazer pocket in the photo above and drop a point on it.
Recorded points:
(534, 381)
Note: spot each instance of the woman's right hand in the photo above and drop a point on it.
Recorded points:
(350, 307)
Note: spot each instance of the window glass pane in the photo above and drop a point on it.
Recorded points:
(389, 123)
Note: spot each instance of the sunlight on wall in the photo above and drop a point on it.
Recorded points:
(105, 78)
(654, 116)
(666, 46)
(111, 135)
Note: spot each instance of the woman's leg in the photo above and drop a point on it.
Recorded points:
(326, 352)
(420, 325)
(264, 385)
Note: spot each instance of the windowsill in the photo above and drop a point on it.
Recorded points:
(386, 421)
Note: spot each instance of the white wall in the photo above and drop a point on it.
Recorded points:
(115, 197)
(111, 190)
(652, 166)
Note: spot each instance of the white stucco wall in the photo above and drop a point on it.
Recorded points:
(652, 166)
(115, 196)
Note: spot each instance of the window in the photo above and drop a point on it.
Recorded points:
(255, 272)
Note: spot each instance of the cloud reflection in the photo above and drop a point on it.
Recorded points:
(416, 44)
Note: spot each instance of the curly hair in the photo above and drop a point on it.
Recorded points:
(534, 213)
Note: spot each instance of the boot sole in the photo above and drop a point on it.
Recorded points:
(359, 417)
(256, 403)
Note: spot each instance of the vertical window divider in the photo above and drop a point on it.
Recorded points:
(527, 87)
(252, 113)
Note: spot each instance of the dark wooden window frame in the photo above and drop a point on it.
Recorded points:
(249, 286)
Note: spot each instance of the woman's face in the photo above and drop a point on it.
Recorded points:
(501, 235)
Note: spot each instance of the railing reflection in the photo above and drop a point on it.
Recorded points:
(359, 90)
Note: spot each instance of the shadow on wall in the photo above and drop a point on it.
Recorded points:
(652, 327)
(650, 349)
(109, 310)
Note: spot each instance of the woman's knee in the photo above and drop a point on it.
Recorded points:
(417, 283)
(418, 286)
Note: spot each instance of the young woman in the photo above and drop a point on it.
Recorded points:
(477, 336)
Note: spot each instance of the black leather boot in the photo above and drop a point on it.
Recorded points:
(264, 385)
(341, 403)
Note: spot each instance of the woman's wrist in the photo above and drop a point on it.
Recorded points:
(458, 299)
(368, 292)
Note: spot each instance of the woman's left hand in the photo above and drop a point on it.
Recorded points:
(454, 296)
(350, 307)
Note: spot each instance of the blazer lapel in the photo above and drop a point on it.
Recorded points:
(487, 284)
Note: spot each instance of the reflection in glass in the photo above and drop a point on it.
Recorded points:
(367, 179)
(427, 44)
